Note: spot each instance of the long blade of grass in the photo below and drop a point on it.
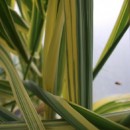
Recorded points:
(11, 3)
(30, 115)
(126, 121)
(60, 77)
(71, 48)
(11, 35)
(5, 88)
(40, 6)
(121, 25)
(4, 39)
(36, 29)
(113, 104)
(49, 125)
(35, 33)
(25, 8)
(98, 121)
(117, 116)
(61, 107)
(51, 56)
(51, 59)
(85, 53)
(11, 32)
(20, 23)
(7, 115)
(50, 25)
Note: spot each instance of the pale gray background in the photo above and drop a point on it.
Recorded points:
(117, 67)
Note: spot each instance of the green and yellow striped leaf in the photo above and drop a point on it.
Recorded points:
(52, 46)
(61, 107)
(20, 94)
(100, 122)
